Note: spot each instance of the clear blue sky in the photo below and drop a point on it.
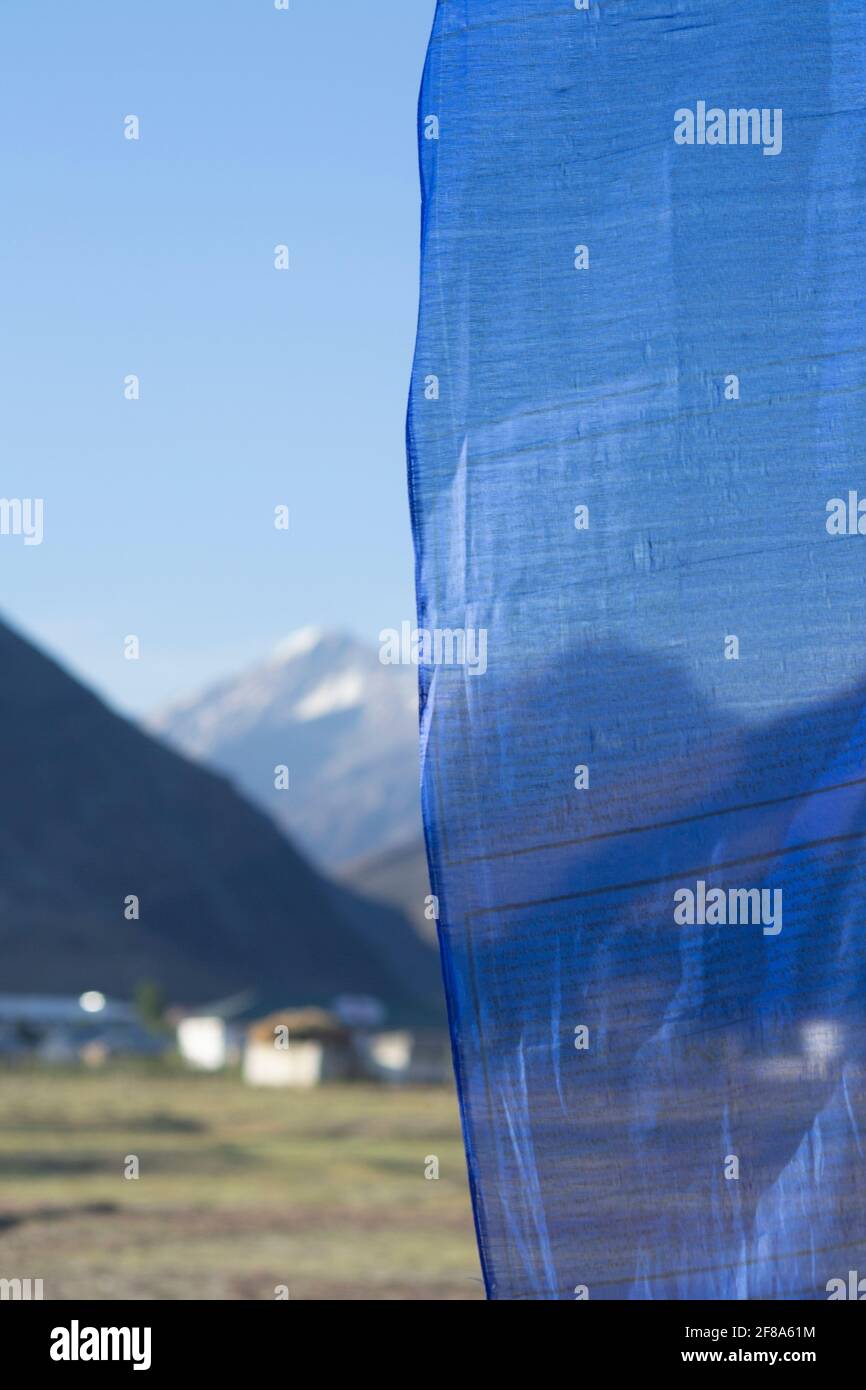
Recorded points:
(257, 387)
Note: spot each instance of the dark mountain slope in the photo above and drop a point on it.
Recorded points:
(399, 877)
(92, 810)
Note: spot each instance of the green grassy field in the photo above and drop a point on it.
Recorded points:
(240, 1189)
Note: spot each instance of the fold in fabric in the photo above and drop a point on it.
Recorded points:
(636, 456)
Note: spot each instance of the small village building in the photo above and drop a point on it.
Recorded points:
(298, 1048)
(61, 1028)
(409, 1057)
(211, 1037)
(207, 1042)
(818, 1056)
(823, 1044)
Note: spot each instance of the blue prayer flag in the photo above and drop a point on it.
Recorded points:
(636, 438)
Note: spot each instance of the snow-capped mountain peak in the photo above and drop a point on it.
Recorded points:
(345, 726)
(298, 643)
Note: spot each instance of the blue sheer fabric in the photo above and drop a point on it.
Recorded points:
(636, 438)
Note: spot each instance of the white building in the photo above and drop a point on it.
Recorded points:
(414, 1057)
(298, 1048)
(211, 1037)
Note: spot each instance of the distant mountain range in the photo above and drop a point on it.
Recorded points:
(345, 726)
(92, 810)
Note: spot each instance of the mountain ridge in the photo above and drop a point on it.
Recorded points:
(345, 726)
(93, 810)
